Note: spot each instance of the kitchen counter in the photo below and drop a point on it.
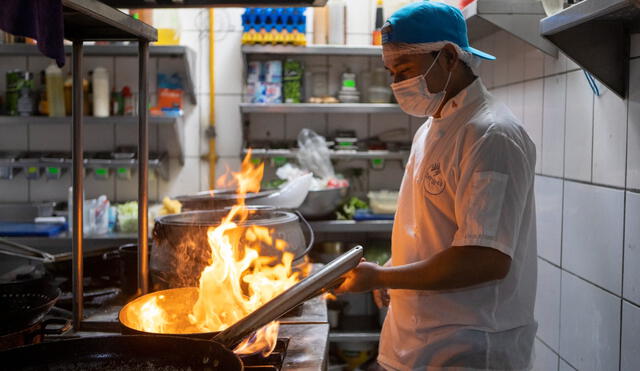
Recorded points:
(308, 346)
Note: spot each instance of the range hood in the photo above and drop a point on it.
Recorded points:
(520, 18)
(211, 3)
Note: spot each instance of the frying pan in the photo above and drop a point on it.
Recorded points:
(24, 303)
(142, 352)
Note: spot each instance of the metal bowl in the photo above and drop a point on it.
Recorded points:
(322, 204)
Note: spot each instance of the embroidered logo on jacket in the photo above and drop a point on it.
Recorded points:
(434, 181)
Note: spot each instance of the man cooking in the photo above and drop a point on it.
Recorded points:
(462, 274)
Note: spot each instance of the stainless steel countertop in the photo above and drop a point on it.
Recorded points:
(308, 346)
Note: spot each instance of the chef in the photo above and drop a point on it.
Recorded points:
(462, 273)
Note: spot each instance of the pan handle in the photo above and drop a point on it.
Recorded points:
(25, 251)
(325, 278)
(65, 325)
(312, 237)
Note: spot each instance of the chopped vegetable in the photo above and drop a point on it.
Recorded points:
(348, 209)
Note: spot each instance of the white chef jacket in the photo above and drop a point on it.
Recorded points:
(468, 182)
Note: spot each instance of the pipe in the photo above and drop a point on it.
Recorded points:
(212, 101)
(78, 186)
(143, 167)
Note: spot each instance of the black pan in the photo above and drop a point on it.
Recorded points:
(122, 353)
(23, 304)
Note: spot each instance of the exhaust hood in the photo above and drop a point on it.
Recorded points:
(520, 18)
(210, 3)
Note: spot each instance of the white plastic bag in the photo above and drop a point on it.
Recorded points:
(314, 154)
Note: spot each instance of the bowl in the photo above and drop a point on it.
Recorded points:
(323, 203)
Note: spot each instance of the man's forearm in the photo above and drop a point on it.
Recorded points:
(454, 268)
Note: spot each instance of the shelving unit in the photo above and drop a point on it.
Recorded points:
(319, 108)
(338, 155)
(170, 129)
(91, 20)
(595, 35)
(348, 50)
(183, 53)
(355, 337)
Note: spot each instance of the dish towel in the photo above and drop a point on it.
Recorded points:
(37, 19)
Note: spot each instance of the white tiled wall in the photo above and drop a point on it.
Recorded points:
(588, 206)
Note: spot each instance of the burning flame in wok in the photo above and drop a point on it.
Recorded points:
(238, 280)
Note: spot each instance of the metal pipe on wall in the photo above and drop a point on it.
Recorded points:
(143, 166)
(213, 158)
(78, 185)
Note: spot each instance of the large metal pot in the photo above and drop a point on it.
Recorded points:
(218, 199)
(180, 249)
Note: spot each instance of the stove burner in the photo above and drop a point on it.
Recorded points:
(272, 362)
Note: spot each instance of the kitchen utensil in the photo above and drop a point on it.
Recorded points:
(289, 196)
(145, 351)
(217, 199)
(321, 204)
(24, 303)
(33, 334)
(181, 250)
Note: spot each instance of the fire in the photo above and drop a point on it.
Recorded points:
(238, 280)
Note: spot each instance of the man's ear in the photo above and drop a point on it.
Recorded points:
(450, 55)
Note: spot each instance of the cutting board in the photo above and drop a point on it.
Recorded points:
(10, 229)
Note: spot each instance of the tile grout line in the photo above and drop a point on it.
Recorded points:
(555, 352)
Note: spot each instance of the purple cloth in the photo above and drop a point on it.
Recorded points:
(37, 19)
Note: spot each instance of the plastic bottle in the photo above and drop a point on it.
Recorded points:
(55, 91)
(377, 32)
(337, 24)
(320, 25)
(100, 83)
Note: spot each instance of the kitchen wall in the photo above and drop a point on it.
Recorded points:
(588, 204)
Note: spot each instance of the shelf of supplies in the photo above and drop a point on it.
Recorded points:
(93, 20)
(347, 50)
(353, 337)
(157, 164)
(352, 226)
(183, 53)
(170, 129)
(319, 108)
(595, 35)
(212, 3)
(338, 155)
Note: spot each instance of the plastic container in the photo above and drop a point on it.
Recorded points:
(55, 91)
(101, 92)
(383, 202)
(337, 22)
(168, 24)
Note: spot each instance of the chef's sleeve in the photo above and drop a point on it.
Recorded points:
(496, 176)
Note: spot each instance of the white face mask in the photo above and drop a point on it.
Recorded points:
(414, 96)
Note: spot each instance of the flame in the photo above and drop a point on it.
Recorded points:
(237, 282)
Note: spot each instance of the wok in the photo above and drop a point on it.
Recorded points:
(142, 352)
(22, 304)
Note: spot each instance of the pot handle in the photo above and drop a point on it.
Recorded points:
(65, 325)
(312, 237)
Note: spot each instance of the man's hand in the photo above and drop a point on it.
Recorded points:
(362, 278)
(381, 297)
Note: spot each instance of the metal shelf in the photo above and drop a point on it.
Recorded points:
(353, 337)
(185, 54)
(313, 50)
(211, 3)
(93, 20)
(170, 129)
(338, 155)
(319, 108)
(352, 226)
(595, 35)
(160, 165)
